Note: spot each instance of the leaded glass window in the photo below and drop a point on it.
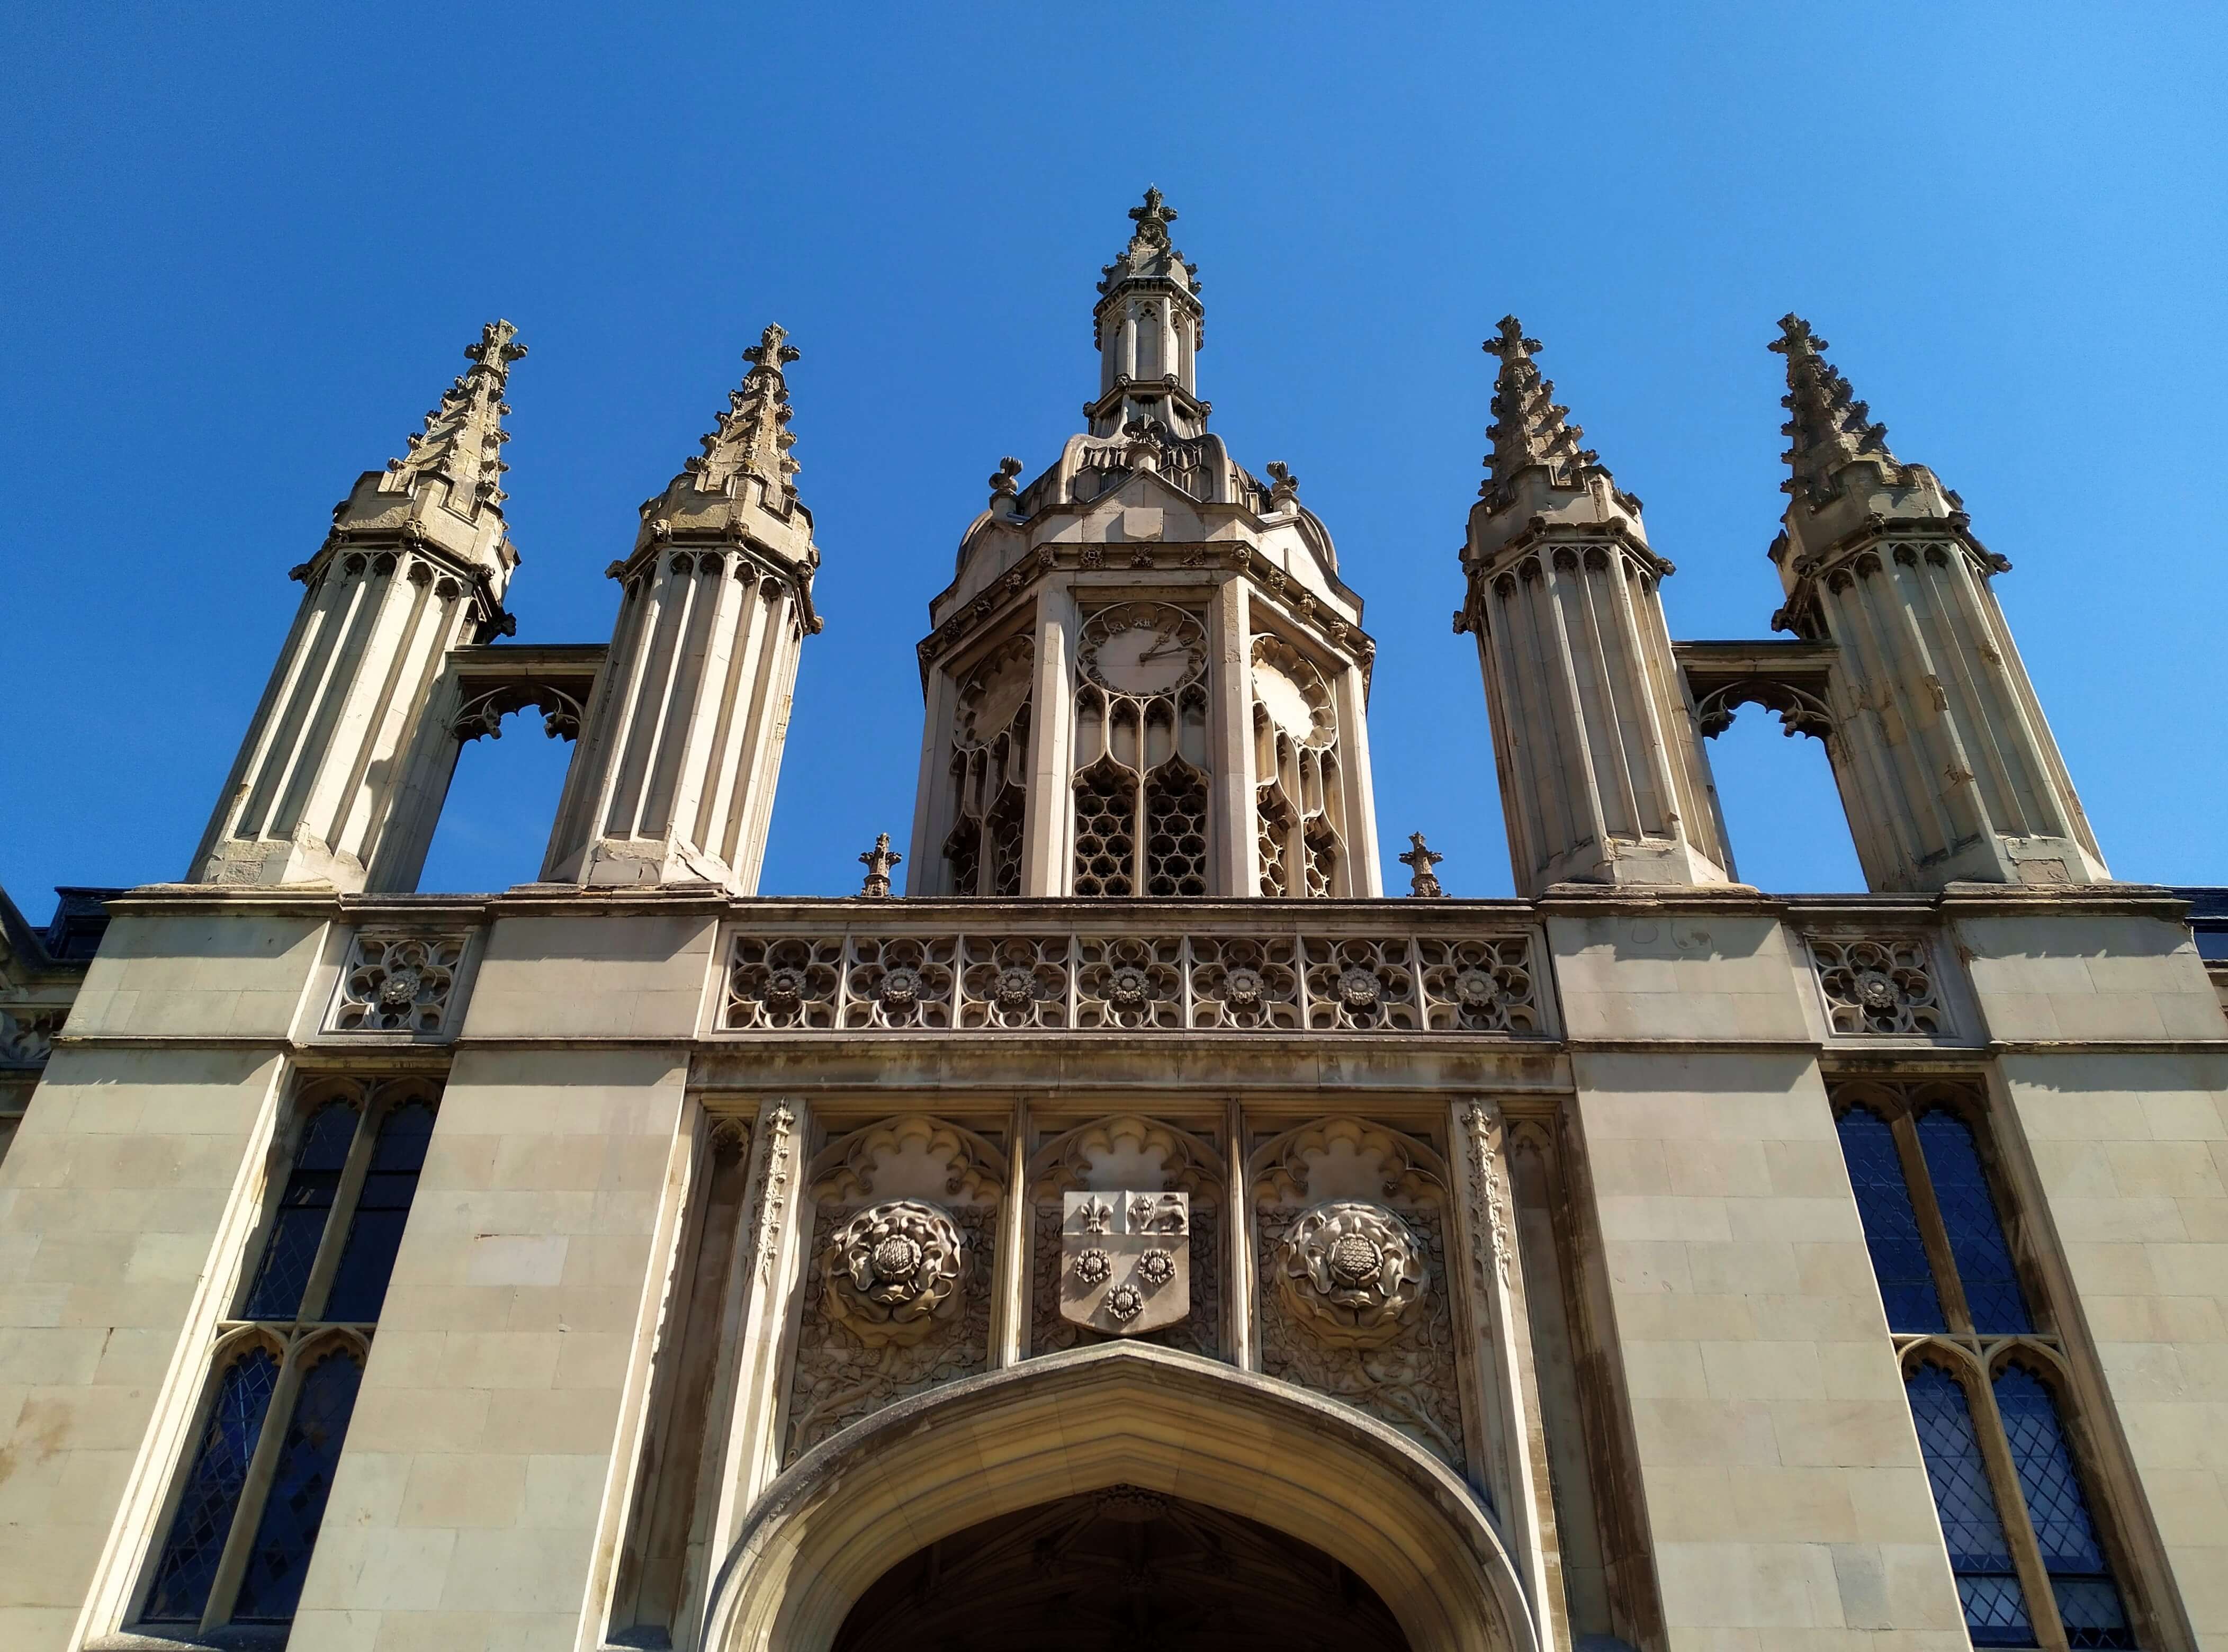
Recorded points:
(251, 1499)
(1988, 1580)
(1975, 1231)
(2087, 1600)
(1899, 1261)
(2030, 1552)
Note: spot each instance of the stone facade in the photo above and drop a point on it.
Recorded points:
(1143, 1232)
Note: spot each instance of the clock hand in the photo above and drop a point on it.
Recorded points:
(1163, 645)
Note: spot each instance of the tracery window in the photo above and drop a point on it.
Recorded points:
(1299, 797)
(1141, 753)
(247, 1507)
(1984, 1370)
(989, 773)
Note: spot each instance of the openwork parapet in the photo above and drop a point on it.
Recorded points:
(890, 978)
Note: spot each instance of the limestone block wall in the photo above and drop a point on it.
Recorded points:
(123, 1206)
(1786, 1499)
(2126, 1153)
(467, 1505)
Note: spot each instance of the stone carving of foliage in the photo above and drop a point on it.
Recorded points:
(1242, 984)
(1409, 1380)
(893, 1270)
(899, 981)
(785, 982)
(398, 984)
(1199, 1332)
(1015, 983)
(1360, 986)
(1129, 982)
(1881, 985)
(1479, 986)
(1349, 1270)
(839, 1378)
(27, 1034)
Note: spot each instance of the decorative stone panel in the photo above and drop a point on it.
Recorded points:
(398, 984)
(1408, 1380)
(1198, 1332)
(1879, 986)
(839, 1377)
(1097, 978)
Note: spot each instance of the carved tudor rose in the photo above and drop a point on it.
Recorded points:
(1351, 1271)
(894, 1270)
(1126, 1260)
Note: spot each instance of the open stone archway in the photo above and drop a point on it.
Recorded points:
(1154, 1422)
(1117, 1569)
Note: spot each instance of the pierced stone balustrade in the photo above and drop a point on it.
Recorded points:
(954, 967)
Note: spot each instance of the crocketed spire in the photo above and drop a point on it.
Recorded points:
(462, 439)
(753, 438)
(1830, 427)
(1528, 428)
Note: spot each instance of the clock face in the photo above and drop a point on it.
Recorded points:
(1143, 649)
(1292, 692)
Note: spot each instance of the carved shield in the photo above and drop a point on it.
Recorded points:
(1126, 1260)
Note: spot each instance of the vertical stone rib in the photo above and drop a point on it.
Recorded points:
(1611, 700)
(738, 633)
(370, 720)
(336, 601)
(332, 701)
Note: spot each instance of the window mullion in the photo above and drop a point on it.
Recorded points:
(255, 1487)
(1931, 1231)
(2018, 1526)
(342, 1214)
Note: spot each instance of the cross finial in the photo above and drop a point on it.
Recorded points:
(1510, 341)
(1154, 217)
(772, 351)
(878, 860)
(1796, 338)
(497, 348)
(1424, 885)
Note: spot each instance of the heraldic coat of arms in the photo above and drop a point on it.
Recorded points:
(1125, 1261)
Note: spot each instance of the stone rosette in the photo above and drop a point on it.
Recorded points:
(1351, 1272)
(894, 1270)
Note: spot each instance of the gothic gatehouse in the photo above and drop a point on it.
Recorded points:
(1144, 1230)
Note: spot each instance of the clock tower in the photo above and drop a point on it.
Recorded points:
(1146, 677)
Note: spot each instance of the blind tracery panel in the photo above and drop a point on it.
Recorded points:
(990, 772)
(1299, 797)
(1984, 1370)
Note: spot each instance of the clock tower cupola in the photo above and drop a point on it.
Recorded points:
(1146, 678)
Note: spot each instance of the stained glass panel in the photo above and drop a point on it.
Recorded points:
(1906, 1278)
(360, 1286)
(1976, 1233)
(2087, 1599)
(304, 1205)
(273, 1584)
(183, 1575)
(1996, 1606)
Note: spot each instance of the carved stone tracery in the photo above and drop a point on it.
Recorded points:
(1882, 986)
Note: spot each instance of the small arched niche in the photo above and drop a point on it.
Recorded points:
(1120, 1567)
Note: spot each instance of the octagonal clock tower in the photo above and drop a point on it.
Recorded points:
(1146, 678)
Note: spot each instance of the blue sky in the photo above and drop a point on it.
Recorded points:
(246, 248)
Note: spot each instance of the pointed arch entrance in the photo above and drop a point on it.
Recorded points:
(1160, 1422)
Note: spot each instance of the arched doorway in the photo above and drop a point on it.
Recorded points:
(1120, 1568)
(1335, 1482)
